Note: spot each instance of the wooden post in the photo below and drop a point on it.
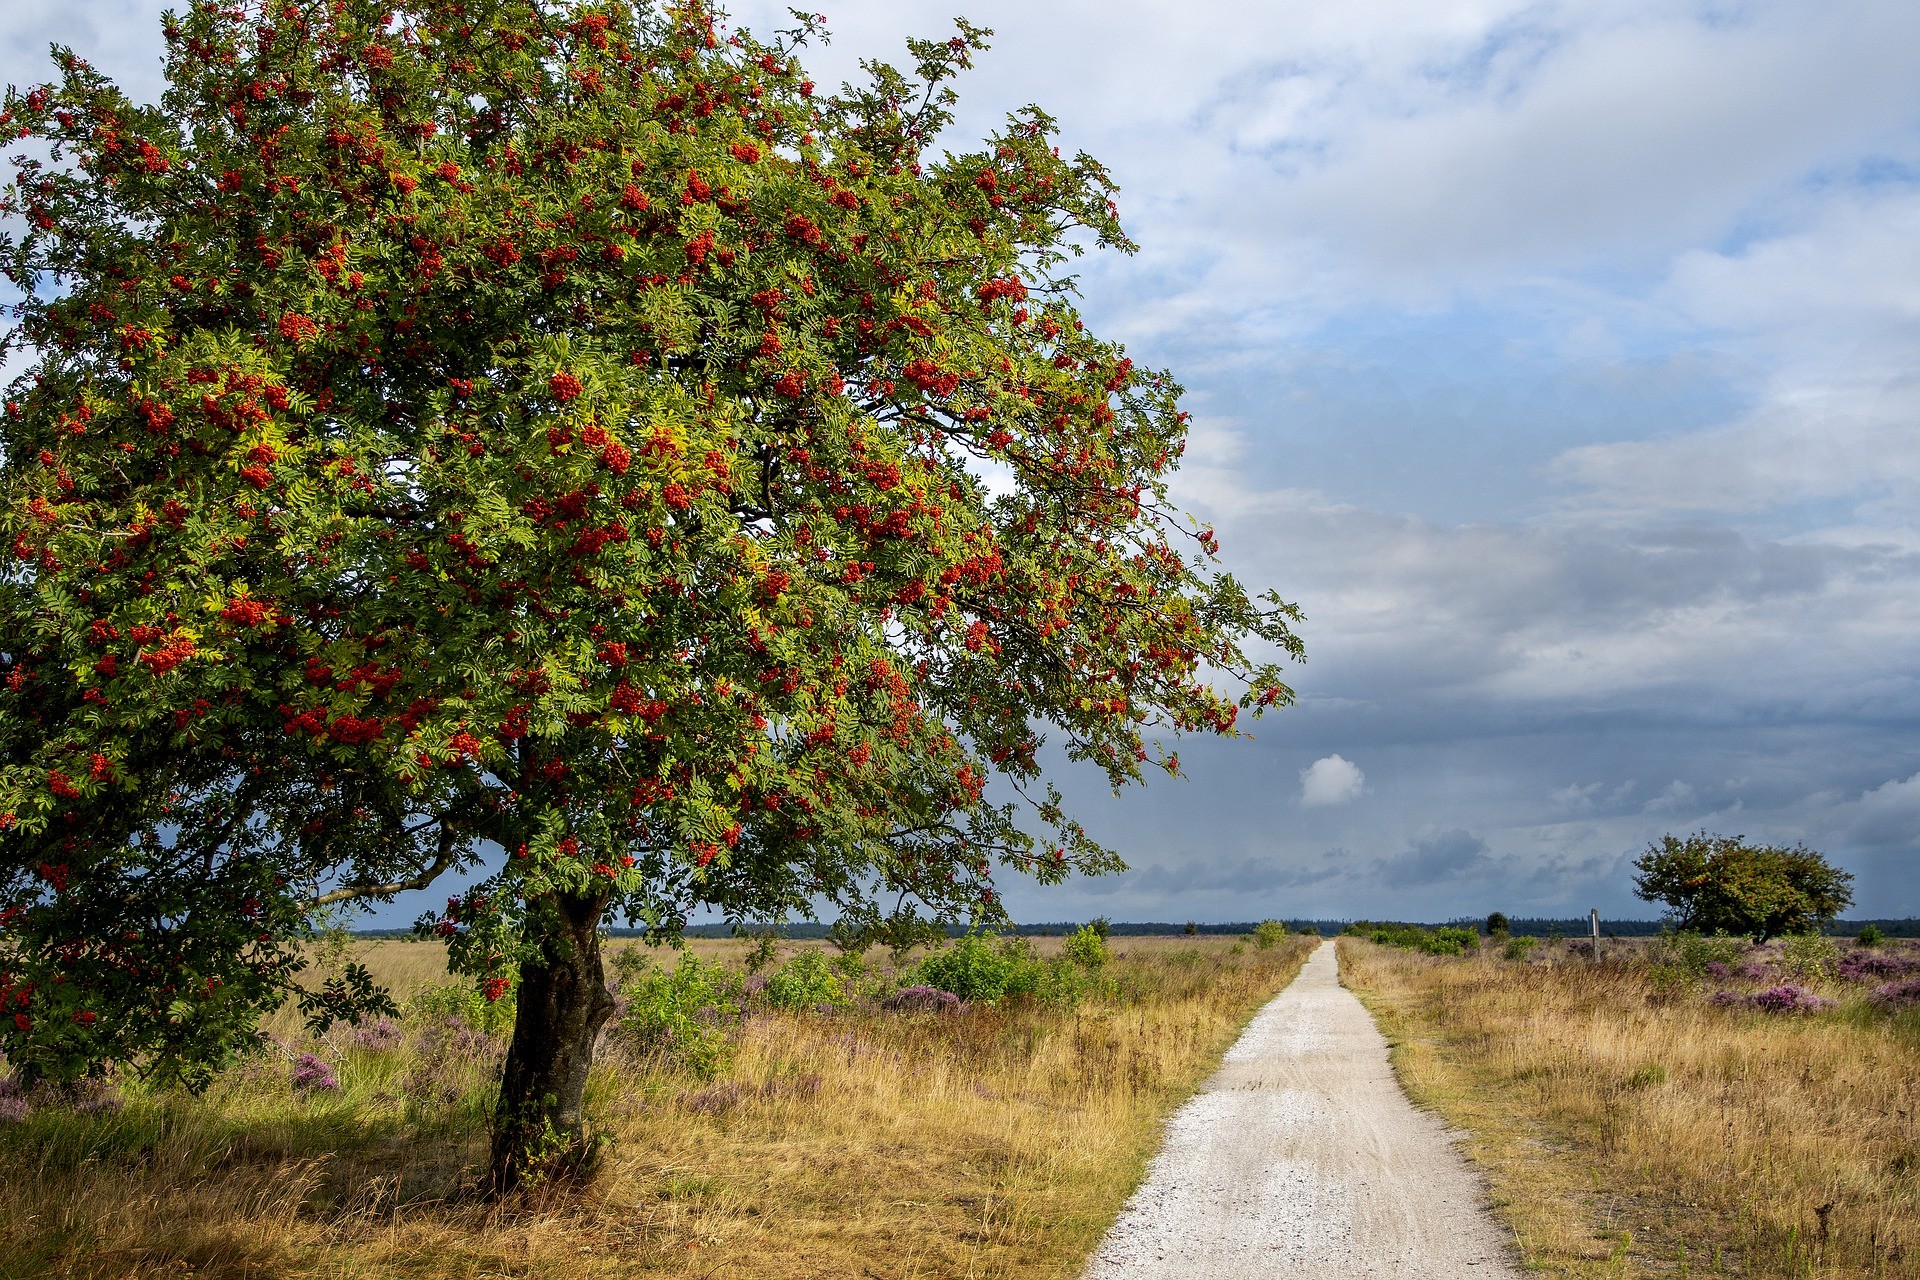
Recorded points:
(1593, 920)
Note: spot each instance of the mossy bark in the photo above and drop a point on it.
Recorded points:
(562, 1003)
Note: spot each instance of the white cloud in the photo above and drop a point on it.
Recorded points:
(1331, 780)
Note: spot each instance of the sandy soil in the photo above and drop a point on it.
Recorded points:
(1303, 1157)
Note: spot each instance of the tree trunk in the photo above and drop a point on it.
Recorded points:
(562, 1004)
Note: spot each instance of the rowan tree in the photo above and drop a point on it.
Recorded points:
(552, 437)
(1722, 884)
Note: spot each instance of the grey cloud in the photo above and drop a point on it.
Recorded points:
(1447, 855)
(1199, 875)
(1888, 814)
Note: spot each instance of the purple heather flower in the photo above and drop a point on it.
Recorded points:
(312, 1075)
(1897, 995)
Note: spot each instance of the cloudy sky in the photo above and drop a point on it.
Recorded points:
(1561, 359)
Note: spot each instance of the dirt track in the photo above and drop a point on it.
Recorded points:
(1303, 1157)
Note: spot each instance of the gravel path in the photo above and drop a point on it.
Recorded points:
(1303, 1157)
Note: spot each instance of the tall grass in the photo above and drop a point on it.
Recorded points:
(1631, 1126)
(997, 1141)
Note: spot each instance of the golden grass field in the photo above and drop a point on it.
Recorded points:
(1629, 1131)
(997, 1142)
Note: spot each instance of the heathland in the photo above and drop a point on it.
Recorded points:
(1694, 1106)
(803, 1120)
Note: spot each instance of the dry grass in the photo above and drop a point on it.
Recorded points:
(1629, 1133)
(999, 1142)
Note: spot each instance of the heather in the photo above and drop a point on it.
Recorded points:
(1687, 1105)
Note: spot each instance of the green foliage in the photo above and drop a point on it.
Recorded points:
(1308, 930)
(459, 1000)
(806, 981)
(1519, 948)
(1810, 957)
(1677, 964)
(1452, 941)
(1720, 884)
(1870, 935)
(1392, 934)
(679, 1017)
(1497, 926)
(1268, 933)
(1693, 952)
(1086, 947)
(978, 968)
(553, 428)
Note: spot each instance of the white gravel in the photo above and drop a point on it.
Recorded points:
(1302, 1156)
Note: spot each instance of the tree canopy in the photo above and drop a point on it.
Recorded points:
(553, 436)
(1721, 884)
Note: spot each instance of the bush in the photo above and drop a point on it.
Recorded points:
(1519, 948)
(1397, 935)
(1451, 941)
(678, 1017)
(1268, 933)
(1810, 957)
(1308, 931)
(1693, 953)
(1497, 925)
(470, 1006)
(1870, 935)
(979, 968)
(806, 981)
(1087, 948)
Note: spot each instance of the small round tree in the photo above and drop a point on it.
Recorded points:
(549, 436)
(1721, 884)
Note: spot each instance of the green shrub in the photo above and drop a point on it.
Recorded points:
(1810, 957)
(1693, 952)
(1268, 933)
(1451, 941)
(1087, 948)
(1398, 935)
(1308, 931)
(981, 969)
(978, 968)
(806, 981)
(679, 1016)
(1519, 948)
(1497, 925)
(461, 1000)
(1870, 935)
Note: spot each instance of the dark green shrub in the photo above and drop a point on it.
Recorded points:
(977, 968)
(1451, 941)
(806, 981)
(1870, 935)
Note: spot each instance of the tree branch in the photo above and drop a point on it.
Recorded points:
(442, 860)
